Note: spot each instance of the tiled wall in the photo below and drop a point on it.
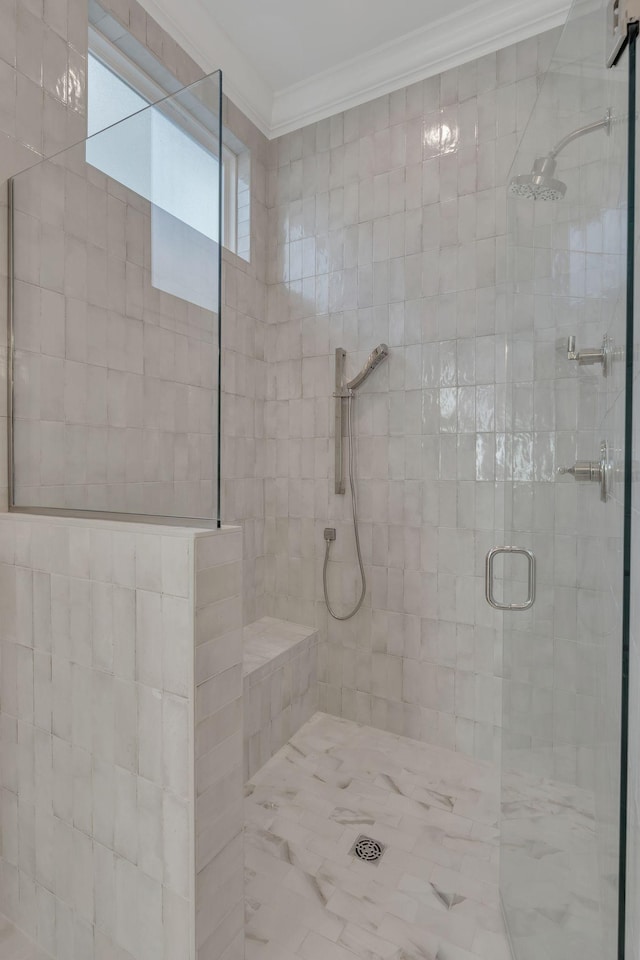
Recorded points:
(218, 749)
(42, 110)
(388, 224)
(99, 726)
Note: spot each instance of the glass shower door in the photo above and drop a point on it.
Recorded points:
(564, 487)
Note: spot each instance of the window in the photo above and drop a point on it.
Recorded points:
(170, 156)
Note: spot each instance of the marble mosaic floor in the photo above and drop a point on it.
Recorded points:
(552, 871)
(433, 895)
(15, 946)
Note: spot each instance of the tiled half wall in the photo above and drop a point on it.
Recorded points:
(121, 735)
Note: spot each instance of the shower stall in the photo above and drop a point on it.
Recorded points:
(497, 532)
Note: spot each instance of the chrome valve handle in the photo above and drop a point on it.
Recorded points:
(583, 470)
(603, 355)
(593, 471)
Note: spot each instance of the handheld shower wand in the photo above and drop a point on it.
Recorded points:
(377, 355)
(347, 392)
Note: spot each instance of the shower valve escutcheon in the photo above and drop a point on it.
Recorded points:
(593, 471)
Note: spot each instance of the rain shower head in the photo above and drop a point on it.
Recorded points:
(377, 355)
(540, 184)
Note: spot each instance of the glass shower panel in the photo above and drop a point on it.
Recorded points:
(564, 445)
(633, 455)
(116, 316)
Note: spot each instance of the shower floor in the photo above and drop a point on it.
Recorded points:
(553, 873)
(434, 893)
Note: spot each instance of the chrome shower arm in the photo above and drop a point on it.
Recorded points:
(604, 124)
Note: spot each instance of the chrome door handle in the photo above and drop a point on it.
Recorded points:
(488, 579)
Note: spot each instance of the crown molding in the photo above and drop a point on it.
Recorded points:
(481, 28)
(199, 34)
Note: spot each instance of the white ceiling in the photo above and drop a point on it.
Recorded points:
(291, 40)
(287, 63)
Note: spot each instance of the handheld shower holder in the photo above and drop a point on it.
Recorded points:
(340, 396)
(345, 390)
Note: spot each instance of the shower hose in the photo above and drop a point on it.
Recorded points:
(354, 511)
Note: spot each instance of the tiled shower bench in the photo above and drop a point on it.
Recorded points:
(280, 688)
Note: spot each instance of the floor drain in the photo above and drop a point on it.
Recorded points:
(366, 848)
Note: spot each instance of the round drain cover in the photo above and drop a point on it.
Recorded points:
(365, 848)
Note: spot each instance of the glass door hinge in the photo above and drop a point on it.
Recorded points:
(620, 15)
